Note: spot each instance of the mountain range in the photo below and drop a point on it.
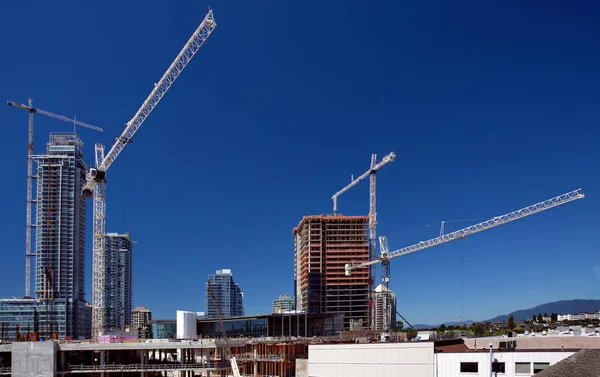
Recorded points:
(559, 307)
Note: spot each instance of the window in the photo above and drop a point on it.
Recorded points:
(469, 367)
(523, 368)
(538, 367)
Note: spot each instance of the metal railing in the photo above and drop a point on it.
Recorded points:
(5, 370)
(147, 367)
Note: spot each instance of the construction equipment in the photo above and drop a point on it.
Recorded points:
(30, 177)
(232, 360)
(95, 178)
(385, 255)
(372, 174)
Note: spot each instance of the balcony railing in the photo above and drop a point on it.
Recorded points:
(4, 370)
(83, 368)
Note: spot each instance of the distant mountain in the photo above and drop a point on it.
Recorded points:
(423, 326)
(558, 307)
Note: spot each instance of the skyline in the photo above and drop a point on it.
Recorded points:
(484, 117)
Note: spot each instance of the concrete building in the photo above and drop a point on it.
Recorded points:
(323, 244)
(140, 322)
(60, 230)
(283, 304)
(118, 281)
(228, 294)
(384, 310)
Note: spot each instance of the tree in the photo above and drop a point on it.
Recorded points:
(442, 328)
(511, 322)
(399, 325)
(539, 317)
(545, 314)
(533, 318)
(478, 330)
(554, 317)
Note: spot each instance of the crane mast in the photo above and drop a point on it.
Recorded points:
(372, 174)
(30, 177)
(95, 179)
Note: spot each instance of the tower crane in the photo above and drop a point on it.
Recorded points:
(385, 255)
(371, 173)
(95, 178)
(30, 177)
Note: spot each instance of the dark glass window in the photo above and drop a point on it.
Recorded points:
(469, 367)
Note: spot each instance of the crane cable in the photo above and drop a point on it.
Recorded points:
(461, 277)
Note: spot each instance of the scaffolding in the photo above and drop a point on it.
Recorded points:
(323, 245)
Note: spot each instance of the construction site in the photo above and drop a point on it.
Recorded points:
(323, 246)
(341, 310)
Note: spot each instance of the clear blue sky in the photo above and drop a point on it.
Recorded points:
(489, 108)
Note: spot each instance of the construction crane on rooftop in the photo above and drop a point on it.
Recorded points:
(385, 255)
(95, 178)
(372, 174)
(30, 177)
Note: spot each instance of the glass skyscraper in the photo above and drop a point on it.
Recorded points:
(60, 230)
(118, 280)
(228, 295)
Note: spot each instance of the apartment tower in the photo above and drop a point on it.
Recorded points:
(384, 310)
(228, 295)
(118, 280)
(60, 232)
(140, 322)
(323, 244)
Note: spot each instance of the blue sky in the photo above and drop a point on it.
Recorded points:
(489, 108)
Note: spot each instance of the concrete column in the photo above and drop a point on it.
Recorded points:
(143, 362)
(255, 364)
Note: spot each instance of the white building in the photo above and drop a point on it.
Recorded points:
(516, 357)
(186, 325)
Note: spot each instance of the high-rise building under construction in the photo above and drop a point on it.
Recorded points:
(323, 244)
(119, 280)
(60, 231)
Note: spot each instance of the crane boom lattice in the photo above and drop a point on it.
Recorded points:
(161, 87)
(95, 180)
(461, 233)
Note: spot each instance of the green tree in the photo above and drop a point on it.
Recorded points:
(511, 322)
(533, 319)
(553, 317)
(478, 329)
(399, 325)
(442, 328)
(545, 314)
(539, 317)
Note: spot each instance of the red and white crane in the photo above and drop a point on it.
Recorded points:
(385, 255)
(30, 177)
(95, 180)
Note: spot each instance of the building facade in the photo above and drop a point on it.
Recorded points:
(323, 244)
(60, 229)
(283, 304)
(384, 310)
(228, 295)
(118, 280)
(140, 322)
